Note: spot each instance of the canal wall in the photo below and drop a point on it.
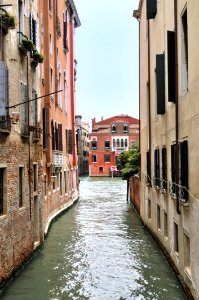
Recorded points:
(134, 187)
(9, 268)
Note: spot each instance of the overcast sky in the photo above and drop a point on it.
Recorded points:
(107, 53)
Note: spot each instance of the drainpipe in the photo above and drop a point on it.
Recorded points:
(29, 154)
(177, 105)
(136, 15)
(149, 97)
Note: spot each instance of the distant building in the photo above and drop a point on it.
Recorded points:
(109, 138)
(82, 134)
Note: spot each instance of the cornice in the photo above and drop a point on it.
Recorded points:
(71, 6)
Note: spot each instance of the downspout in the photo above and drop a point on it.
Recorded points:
(177, 105)
(149, 97)
(29, 154)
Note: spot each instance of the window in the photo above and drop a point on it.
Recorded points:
(113, 128)
(165, 225)
(94, 145)
(34, 31)
(187, 253)
(50, 7)
(34, 109)
(65, 183)
(60, 183)
(45, 127)
(113, 143)
(118, 143)
(160, 84)
(69, 140)
(122, 143)
(125, 128)
(164, 168)
(3, 90)
(158, 217)
(59, 89)
(184, 169)
(94, 158)
(51, 44)
(149, 209)
(21, 184)
(184, 53)
(176, 241)
(54, 179)
(45, 185)
(65, 92)
(65, 41)
(126, 143)
(21, 19)
(173, 168)
(171, 65)
(157, 168)
(35, 177)
(107, 158)
(101, 169)
(107, 144)
(148, 166)
(151, 9)
(24, 110)
(2, 191)
(51, 80)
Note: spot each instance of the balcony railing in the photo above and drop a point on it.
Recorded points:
(180, 192)
(57, 159)
(5, 124)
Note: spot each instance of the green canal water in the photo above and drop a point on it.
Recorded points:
(97, 250)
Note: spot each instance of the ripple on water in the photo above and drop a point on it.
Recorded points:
(98, 250)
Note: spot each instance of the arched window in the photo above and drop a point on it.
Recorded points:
(118, 143)
(122, 143)
(125, 128)
(113, 143)
(113, 128)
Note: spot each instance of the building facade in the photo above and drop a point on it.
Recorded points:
(169, 85)
(38, 153)
(21, 183)
(82, 134)
(109, 138)
(60, 168)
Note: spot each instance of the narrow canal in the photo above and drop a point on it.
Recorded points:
(97, 250)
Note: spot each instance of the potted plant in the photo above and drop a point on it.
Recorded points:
(38, 57)
(8, 20)
(28, 44)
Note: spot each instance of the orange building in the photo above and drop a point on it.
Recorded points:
(109, 138)
(58, 22)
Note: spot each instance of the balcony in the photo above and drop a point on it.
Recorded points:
(5, 124)
(36, 134)
(179, 192)
(57, 159)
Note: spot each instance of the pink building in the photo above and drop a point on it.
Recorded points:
(109, 138)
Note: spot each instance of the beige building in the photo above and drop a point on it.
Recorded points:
(169, 113)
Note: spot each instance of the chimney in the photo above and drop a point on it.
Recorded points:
(93, 121)
(102, 118)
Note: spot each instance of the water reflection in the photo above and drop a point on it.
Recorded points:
(98, 250)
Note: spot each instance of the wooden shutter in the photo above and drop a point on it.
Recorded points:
(160, 83)
(60, 145)
(45, 127)
(148, 165)
(53, 134)
(157, 167)
(171, 65)
(151, 9)
(173, 166)
(3, 88)
(184, 167)
(164, 168)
